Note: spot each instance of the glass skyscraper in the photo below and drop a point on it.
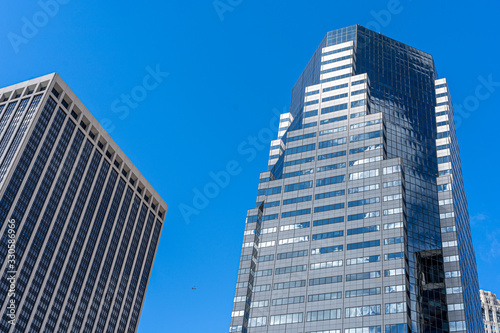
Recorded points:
(361, 222)
(79, 224)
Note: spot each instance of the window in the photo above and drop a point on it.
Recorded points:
(395, 240)
(332, 143)
(329, 249)
(298, 186)
(333, 130)
(293, 240)
(362, 260)
(363, 230)
(324, 297)
(334, 108)
(326, 264)
(293, 254)
(316, 101)
(362, 311)
(394, 272)
(361, 102)
(290, 269)
(291, 284)
(446, 215)
(358, 114)
(269, 191)
(361, 245)
(297, 200)
(331, 167)
(358, 92)
(328, 208)
(332, 98)
(362, 292)
(300, 161)
(264, 287)
(296, 213)
(444, 159)
(301, 137)
(366, 123)
(328, 221)
(393, 211)
(393, 197)
(294, 226)
(290, 318)
(336, 51)
(393, 183)
(363, 174)
(329, 194)
(366, 329)
(331, 234)
(363, 188)
(313, 92)
(365, 160)
(452, 274)
(309, 125)
(444, 187)
(395, 289)
(257, 321)
(325, 280)
(265, 258)
(288, 300)
(336, 59)
(300, 149)
(356, 83)
(454, 290)
(265, 272)
(323, 315)
(363, 202)
(310, 114)
(365, 136)
(392, 169)
(271, 204)
(269, 217)
(335, 69)
(397, 255)
(362, 276)
(330, 180)
(335, 87)
(397, 328)
(331, 155)
(332, 120)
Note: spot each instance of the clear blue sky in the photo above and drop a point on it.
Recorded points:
(225, 78)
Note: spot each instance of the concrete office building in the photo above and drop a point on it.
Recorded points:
(490, 307)
(86, 222)
(360, 223)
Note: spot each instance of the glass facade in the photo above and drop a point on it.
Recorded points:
(83, 252)
(372, 168)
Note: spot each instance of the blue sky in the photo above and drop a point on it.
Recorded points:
(228, 69)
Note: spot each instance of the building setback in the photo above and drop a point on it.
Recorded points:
(490, 307)
(361, 222)
(86, 222)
